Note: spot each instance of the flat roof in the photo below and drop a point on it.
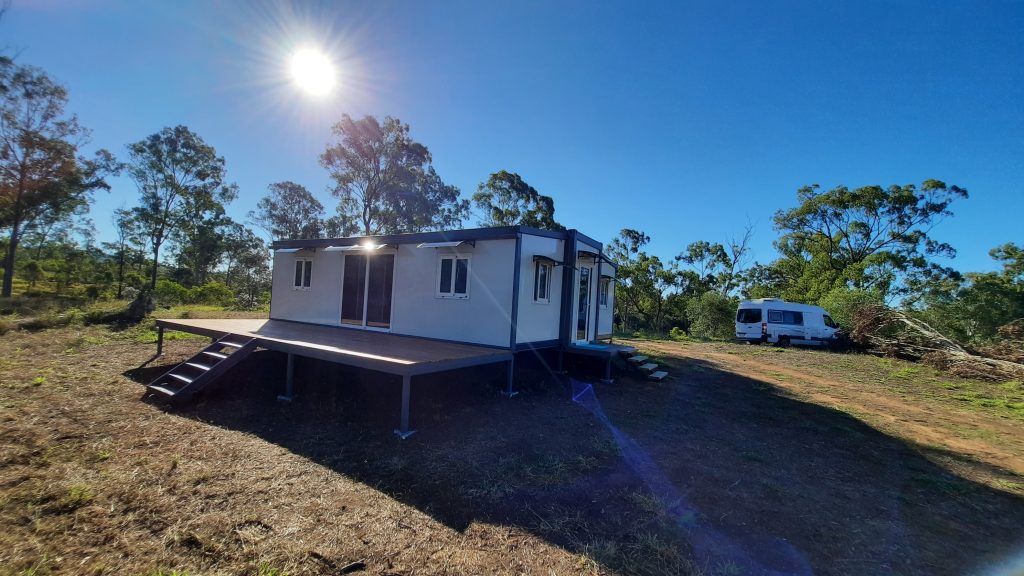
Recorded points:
(382, 351)
(465, 235)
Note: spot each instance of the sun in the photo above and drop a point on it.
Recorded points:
(313, 71)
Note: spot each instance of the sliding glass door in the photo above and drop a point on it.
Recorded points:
(366, 290)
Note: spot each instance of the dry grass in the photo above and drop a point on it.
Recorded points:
(96, 480)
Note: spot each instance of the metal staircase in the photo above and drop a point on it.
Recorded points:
(650, 368)
(197, 372)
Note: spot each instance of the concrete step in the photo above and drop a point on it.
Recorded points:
(649, 367)
(637, 359)
(659, 375)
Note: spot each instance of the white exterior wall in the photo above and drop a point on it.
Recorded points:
(321, 303)
(483, 318)
(538, 321)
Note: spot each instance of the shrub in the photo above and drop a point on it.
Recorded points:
(842, 304)
(712, 315)
(216, 293)
(169, 292)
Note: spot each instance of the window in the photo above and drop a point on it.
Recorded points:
(303, 274)
(453, 277)
(542, 282)
(829, 321)
(748, 316)
(786, 317)
(605, 290)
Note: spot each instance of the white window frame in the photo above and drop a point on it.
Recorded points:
(547, 279)
(452, 295)
(604, 291)
(308, 262)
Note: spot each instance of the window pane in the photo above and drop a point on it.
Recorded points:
(749, 316)
(353, 287)
(461, 275)
(308, 274)
(298, 273)
(795, 318)
(829, 321)
(542, 280)
(775, 316)
(378, 296)
(446, 276)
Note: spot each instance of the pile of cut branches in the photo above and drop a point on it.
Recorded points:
(887, 332)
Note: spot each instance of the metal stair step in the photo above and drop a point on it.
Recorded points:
(637, 359)
(217, 355)
(198, 366)
(231, 344)
(650, 366)
(659, 375)
(184, 379)
(162, 389)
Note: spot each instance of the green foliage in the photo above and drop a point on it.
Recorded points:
(712, 315)
(507, 200)
(169, 292)
(974, 312)
(181, 192)
(384, 179)
(870, 238)
(44, 180)
(290, 212)
(642, 281)
(842, 304)
(216, 293)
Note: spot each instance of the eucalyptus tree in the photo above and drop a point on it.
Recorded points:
(43, 180)
(384, 179)
(505, 199)
(180, 178)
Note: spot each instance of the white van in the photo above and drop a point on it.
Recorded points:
(784, 323)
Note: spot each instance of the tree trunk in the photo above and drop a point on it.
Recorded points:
(156, 264)
(12, 248)
(120, 273)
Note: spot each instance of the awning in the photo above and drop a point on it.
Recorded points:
(288, 250)
(608, 276)
(587, 254)
(355, 247)
(545, 259)
(446, 244)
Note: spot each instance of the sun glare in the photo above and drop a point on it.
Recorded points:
(313, 72)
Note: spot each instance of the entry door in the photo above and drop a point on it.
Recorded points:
(583, 305)
(366, 290)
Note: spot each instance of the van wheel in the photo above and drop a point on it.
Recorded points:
(784, 342)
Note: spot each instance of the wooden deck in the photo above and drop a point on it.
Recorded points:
(390, 353)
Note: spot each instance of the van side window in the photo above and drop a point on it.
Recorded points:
(786, 317)
(829, 321)
(749, 316)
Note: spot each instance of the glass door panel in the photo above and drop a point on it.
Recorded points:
(378, 290)
(353, 290)
(583, 308)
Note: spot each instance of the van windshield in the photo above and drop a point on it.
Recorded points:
(749, 316)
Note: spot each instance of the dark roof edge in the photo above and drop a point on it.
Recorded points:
(498, 233)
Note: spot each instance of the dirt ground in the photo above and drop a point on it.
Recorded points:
(748, 460)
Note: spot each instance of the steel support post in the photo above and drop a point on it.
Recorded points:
(404, 431)
(289, 381)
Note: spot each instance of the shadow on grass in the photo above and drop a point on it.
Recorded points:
(708, 473)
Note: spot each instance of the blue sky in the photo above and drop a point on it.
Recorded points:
(682, 119)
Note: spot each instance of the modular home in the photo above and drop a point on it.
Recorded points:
(512, 287)
(411, 304)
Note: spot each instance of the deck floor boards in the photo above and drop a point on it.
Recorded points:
(393, 353)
